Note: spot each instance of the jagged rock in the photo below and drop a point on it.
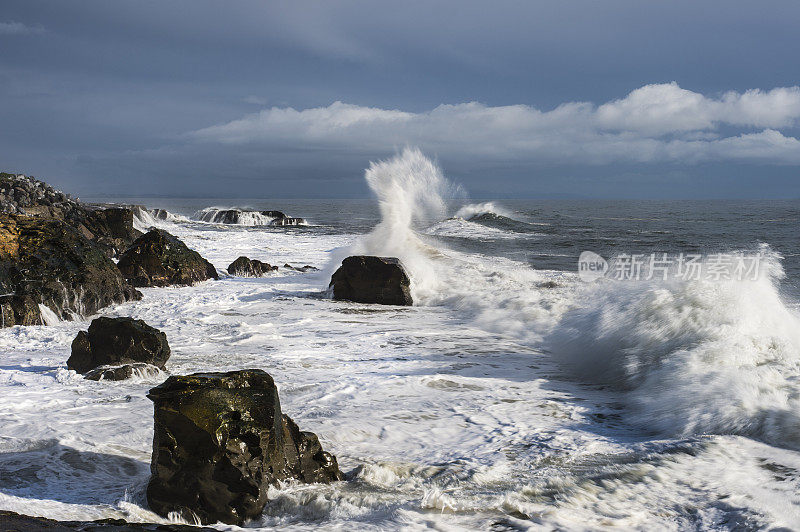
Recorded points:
(53, 264)
(118, 373)
(111, 227)
(220, 440)
(367, 279)
(245, 267)
(14, 522)
(159, 259)
(19, 310)
(117, 341)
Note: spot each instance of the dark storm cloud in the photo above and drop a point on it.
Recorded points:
(201, 97)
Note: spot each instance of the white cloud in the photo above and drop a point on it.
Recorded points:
(655, 123)
(18, 28)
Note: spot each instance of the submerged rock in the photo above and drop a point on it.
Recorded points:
(118, 341)
(367, 279)
(119, 373)
(244, 267)
(305, 268)
(220, 441)
(159, 259)
(49, 262)
(14, 522)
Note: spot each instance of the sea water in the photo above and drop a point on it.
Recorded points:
(511, 396)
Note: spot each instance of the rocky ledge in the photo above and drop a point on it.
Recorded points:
(109, 227)
(220, 441)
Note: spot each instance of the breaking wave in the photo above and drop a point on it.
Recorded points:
(687, 357)
(236, 216)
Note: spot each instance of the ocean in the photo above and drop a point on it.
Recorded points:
(515, 394)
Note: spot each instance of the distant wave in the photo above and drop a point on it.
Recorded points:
(237, 216)
(478, 209)
(144, 219)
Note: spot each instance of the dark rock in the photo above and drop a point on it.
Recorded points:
(14, 522)
(159, 259)
(117, 341)
(118, 373)
(305, 268)
(305, 458)
(245, 267)
(220, 440)
(53, 264)
(367, 279)
(19, 310)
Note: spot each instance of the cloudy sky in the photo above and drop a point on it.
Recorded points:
(595, 98)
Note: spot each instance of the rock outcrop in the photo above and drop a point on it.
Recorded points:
(244, 267)
(47, 261)
(367, 279)
(117, 342)
(246, 217)
(220, 440)
(159, 259)
(109, 226)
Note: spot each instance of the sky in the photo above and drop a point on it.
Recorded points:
(524, 99)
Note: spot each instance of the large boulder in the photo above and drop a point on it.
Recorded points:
(159, 259)
(220, 441)
(367, 279)
(47, 261)
(117, 341)
(244, 267)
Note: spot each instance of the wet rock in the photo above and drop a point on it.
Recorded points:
(19, 310)
(305, 458)
(305, 268)
(118, 341)
(244, 267)
(118, 373)
(220, 441)
(367, 279)
(53, 264)
(159, 259)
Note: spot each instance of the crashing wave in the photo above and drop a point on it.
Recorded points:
(234, 216)
(686, 356)
(692, 357)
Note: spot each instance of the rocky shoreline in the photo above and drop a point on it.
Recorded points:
(220, 439)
